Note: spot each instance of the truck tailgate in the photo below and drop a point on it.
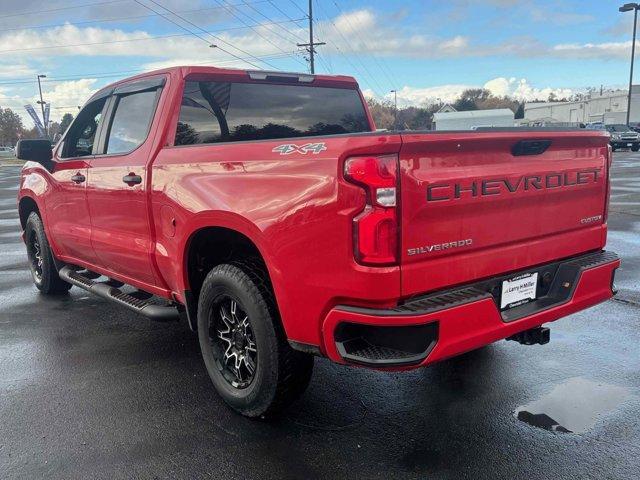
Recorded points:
(479, 204)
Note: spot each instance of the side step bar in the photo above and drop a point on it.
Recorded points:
(107, 290)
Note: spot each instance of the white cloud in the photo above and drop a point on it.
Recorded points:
(606, 50)
(357, 32)
(361, 31)
(520, 89)
(69, 95)
(418, 96)
(64, 97)
(16, 70)
(555, 17)
(523, 90)
(94, 41)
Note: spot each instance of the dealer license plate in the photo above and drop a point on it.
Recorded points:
(519, 290)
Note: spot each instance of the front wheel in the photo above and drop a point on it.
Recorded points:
(43, 270)
(613, 149)
(635, 148)
(243, 345)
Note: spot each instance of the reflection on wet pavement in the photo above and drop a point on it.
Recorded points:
(572, 407)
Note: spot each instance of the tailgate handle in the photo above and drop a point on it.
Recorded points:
(530, 147)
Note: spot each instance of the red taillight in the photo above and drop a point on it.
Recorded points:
(375, 229)
(608, 184)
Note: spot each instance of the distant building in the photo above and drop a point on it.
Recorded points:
(447, 108)
(608, 107)
(472, 119)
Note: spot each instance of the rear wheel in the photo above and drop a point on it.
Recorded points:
(43, 270)
(243, 345)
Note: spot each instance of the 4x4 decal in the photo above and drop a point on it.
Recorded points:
(289, 148)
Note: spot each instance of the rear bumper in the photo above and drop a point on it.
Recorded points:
(442, 325)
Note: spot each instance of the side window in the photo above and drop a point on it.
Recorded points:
(82, 134)
(131, 121)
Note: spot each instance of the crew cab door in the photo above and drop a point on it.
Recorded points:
(117, 184)
(66, 205)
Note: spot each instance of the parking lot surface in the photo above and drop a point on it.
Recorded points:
(90, 390)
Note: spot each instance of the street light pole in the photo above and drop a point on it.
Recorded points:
(41, 102)
(395, 109)
(627, 7)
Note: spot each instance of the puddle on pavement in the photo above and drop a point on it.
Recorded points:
(573, 406)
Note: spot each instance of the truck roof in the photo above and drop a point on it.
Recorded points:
(231, 74)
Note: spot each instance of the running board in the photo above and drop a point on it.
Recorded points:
(163, 313)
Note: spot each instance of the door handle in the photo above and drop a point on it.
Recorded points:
(132, 179)
(78, 178)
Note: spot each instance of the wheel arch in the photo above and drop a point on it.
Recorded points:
(27, 205)
(215, 243)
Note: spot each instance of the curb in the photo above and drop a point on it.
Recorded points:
(11, 163)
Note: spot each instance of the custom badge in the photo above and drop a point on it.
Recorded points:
(289, 148)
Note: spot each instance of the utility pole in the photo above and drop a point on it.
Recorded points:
(310, 47)
(42, 102)
(626, 8)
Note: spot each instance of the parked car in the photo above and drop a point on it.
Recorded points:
(622, 136)
(6, 152)
(267, 210)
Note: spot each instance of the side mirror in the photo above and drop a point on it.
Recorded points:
(37, 151)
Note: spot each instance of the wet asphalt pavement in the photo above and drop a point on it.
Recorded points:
(90, 390)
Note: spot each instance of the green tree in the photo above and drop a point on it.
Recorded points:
(382, 113)
(11, 127)
(67, 118)
(470, 99)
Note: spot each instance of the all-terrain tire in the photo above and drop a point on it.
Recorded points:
(281, 373)
(43, 269)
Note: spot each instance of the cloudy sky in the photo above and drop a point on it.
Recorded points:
(426, 49)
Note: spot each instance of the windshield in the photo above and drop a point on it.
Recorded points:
(618, 128)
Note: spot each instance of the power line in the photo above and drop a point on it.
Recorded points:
(106, 42)
(116, 19)
(348, 60)
(46, 47)
(40, 12)
(381, 65)
(226, 6)
(298, 7)
(288, 32)
(93, 76)
(364, 66)
(199, 28)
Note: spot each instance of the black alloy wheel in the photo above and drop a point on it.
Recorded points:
(233, 343)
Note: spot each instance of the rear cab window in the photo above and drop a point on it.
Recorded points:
(213, 112)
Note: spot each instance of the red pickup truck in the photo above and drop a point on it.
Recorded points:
(266, 209)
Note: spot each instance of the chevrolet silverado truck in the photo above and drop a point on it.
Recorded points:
(266, 210)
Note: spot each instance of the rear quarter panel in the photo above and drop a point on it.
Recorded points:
(295, 208)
